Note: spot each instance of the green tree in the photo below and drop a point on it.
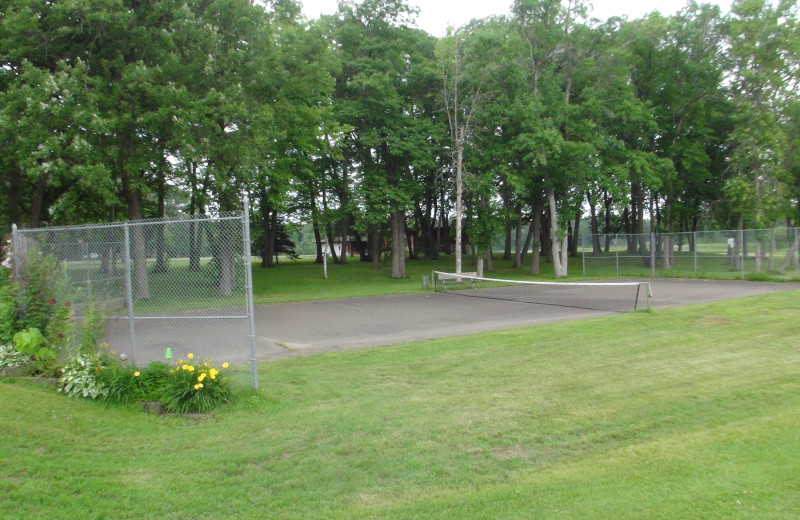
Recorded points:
(763, 41)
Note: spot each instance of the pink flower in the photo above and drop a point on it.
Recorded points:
(60, 336)
(51, 301)
(67, 304)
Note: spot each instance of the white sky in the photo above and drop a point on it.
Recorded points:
(436, 15)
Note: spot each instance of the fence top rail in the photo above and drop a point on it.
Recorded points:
(699, 232)
(131, 223)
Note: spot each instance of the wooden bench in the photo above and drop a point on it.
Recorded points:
(456, 278)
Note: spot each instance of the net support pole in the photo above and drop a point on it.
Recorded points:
(129, 290)
(647, 294)
(248, 280)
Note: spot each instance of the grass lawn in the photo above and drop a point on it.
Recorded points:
(677, 413)
(302, 279)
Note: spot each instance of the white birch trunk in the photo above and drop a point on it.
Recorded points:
(559, 246)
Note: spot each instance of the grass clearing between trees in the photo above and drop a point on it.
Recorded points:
(302, 279)
(677, 413)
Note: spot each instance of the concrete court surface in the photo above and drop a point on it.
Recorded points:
(303, 328)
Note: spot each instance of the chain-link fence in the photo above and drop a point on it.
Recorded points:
(731, 253)
(166, 287)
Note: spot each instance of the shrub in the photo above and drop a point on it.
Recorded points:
(153, 381)
(196, 388)
(11, 357)
(121, 383)
(43, 358)
(80, 377)
(128, 384)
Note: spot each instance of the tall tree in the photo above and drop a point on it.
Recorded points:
(763, 42)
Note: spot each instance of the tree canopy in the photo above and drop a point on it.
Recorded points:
(385, 137)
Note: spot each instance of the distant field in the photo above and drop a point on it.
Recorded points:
(678, 413)
(299, 280)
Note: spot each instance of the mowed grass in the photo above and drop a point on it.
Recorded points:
(303, 279)
(677, 413)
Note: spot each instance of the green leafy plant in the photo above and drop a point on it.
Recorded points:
(91, 329)
(80, 377)
(153, 381)
(121, 383)
(8, 310)
(196, 388)
(11, 357)
(43, 358)
(35, 292)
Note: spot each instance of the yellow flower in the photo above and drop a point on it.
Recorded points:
(225, 365)
(213, 373)
(200, 379)
(190, 369)
(111, 352)
(136, 374)
(190, 356)
(198, 386)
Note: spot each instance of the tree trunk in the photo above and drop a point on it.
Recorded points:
(331, 242)
(14, 198)
(594, 228)
(226, 245)
(638, 216)
(141, 284)
(398, 249)
(576, 235)
(536, 248)
(138, 250)
(374, 239)
(161, 246)
(317, 240)
(269, 227)
(559, 248)
(527, 244)
(344, 223)
(790, 254)
(459, 194)
(518, 241)
(507, 242)
(195, 233)
(38, 201)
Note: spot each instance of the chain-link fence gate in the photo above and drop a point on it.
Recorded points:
(734, 253)
(166, 287)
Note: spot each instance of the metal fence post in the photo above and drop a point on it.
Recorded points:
(796, 252)
(616, 254)
(694, 249)
(129, 290)
(583, 255)
(653, 255)
(14, 239)
(741, 241)
(248, 276)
